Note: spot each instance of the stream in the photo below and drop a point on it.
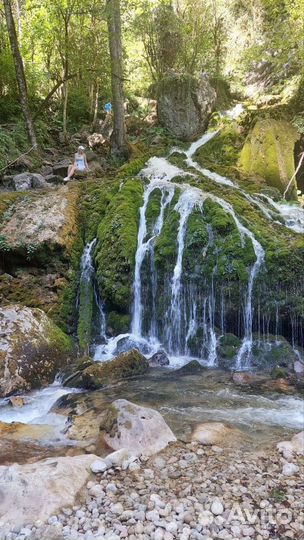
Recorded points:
(187, 400)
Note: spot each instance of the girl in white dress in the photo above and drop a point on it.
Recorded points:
(80, 164)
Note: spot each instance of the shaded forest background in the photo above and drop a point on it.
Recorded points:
(252, 50)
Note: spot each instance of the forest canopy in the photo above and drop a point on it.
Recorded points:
(64, 48)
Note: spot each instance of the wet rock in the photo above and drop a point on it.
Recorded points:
(127, 343)
(192, 368)
(140, 430)
(32, 349)
(22, 182)
(38, 181)
(46, 170)
(244, 378)
(38, 490)
(213, 433)
(124, 366)
(298, 367)
(28, 180)
(17, 401)
(18, 431)
(279, 385)
(54, 179)
(185, 104)
(159, 359)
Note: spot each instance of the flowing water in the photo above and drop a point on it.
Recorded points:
(188, 308)
(191, 307)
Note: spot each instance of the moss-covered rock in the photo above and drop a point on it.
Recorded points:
(184, 104)
(124, 366)
(116, 247)
(35, 228)
(269, 153)
(32, 349)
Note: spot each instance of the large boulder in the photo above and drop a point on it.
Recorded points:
(269, 153)
(40, 489)
(28, 180)
(139, 430)
(294, 447)
(32, 349)
(44, 224)
(184, 104)
(126, 365)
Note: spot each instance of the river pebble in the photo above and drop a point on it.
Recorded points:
(184, 494)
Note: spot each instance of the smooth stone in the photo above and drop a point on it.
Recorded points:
(290, 469)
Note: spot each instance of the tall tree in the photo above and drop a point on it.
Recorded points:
(20, 75)
(119, 136)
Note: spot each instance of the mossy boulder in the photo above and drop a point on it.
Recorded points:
(126, 365)
(184, 104)
(32, 349)
(269, 153)
(192, 368)
(36, 227)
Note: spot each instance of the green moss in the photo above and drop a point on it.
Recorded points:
(85, 314)
(269, 153)
(126, 365)
(116, 247)
(153, 209)
(221, 154)
(118, 323)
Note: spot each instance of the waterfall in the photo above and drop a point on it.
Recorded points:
(87, 295)
(86, 264)
(142, 249)
(184, 207)
(185, 315)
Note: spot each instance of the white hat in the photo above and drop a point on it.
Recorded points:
(80, 147)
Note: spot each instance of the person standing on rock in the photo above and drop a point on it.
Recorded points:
(80, 164)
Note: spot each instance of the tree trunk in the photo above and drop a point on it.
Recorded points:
(20, 75)
(119, 137)
(95, 112)
(66, 75)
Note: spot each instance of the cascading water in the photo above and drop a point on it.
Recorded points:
(143, 247)
(185, 207)
(192, 308)
(88, 288)
(182, 314)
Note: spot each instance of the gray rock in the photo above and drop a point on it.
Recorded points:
(23, 181)
(46, 170)
(159, 359)
(54, 179)
(185, 104)
(61, 168)
(290, 469)
(38, 181)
